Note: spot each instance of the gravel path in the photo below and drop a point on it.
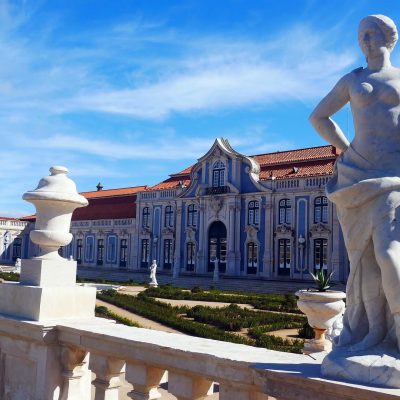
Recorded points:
(143, 322)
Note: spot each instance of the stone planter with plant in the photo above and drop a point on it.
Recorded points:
(322, 307)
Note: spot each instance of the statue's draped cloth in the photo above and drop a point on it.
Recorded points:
(365, 196)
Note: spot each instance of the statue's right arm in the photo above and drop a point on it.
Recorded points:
(329, 105)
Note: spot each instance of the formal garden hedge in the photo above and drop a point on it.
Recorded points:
(177, 318)
(104, 312)
(267, 301)
(9, 276)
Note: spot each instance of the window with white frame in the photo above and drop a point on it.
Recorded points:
(253, 212)
(252, 257)
(218, 174)
(321, 210)
(168, 253)
(192, 215)
(79, 246)
(146, 217)
(285, 211)
(100, 251)
(190, 256)
(320, 254)
(145, 253)
(284, 254)
(168, 217)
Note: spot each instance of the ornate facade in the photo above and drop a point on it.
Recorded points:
(264, 215)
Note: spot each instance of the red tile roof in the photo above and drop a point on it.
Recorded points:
(10, 218)
(313, 161)
(113, 192)
(299, 155)
(106, 204)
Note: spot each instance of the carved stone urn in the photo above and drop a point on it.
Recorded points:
(55, 199)
(321, 309)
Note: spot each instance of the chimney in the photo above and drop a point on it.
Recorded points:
(99, 187)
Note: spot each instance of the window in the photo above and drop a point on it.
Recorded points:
(17, 248)
(192, 215)
(169, 217)
(145, 253)
(252, 258)
(218, 174)
(190, 256)
(253, 213)
(320, 254)
(284, 257)
(168, 252)
(285, 211)
(100, 251)
(79, 251)
(321, 209)
(123, 252)
(146, 217)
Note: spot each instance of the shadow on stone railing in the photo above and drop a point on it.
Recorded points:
(193, 365)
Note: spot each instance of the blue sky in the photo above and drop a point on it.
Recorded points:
(126, 92)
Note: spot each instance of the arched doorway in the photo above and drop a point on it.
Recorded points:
(217, 246)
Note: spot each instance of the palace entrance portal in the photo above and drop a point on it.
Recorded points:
(217, 246)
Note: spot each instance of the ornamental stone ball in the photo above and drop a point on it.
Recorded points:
(55, 199)
(365, 188)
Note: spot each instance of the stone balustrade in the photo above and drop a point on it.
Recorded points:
(193, 364)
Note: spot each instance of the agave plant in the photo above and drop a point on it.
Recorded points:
(322, 280)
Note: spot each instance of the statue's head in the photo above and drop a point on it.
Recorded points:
(376, 32)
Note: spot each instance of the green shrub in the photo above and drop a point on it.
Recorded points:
(9, 276)
(104, 312)
(196, 289)
(306, 332)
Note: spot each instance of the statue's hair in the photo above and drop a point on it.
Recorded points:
(386, 25)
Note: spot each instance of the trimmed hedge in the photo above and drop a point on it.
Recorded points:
(9, 276)
(269, 302)
(174, 318)
(104, 312)
(234, 318)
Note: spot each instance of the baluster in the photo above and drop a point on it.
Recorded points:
(77, 385)
(108, 372)
(187, 387)
(145, 380)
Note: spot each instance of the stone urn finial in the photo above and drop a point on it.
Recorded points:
(55, 199)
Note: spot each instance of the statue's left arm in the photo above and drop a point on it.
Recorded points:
(329, 105)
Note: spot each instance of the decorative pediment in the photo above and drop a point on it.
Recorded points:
(251, 231)
(167, 231)
(284, 229)
(216, 204)
(145, 230)
(319, 228)
(190, 233)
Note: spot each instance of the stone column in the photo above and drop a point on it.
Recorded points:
(238, 229)
(231, 239)
(177, 256)
(269, 237)
(201, 255)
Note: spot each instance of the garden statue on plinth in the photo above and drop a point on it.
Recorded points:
(366, 191)
(47, 287)
(153, 271)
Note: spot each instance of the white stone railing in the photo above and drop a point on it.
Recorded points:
(193, 365)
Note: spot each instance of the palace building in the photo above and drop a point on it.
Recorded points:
(264, 216)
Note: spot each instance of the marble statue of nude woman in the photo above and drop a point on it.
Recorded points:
(366, 191)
